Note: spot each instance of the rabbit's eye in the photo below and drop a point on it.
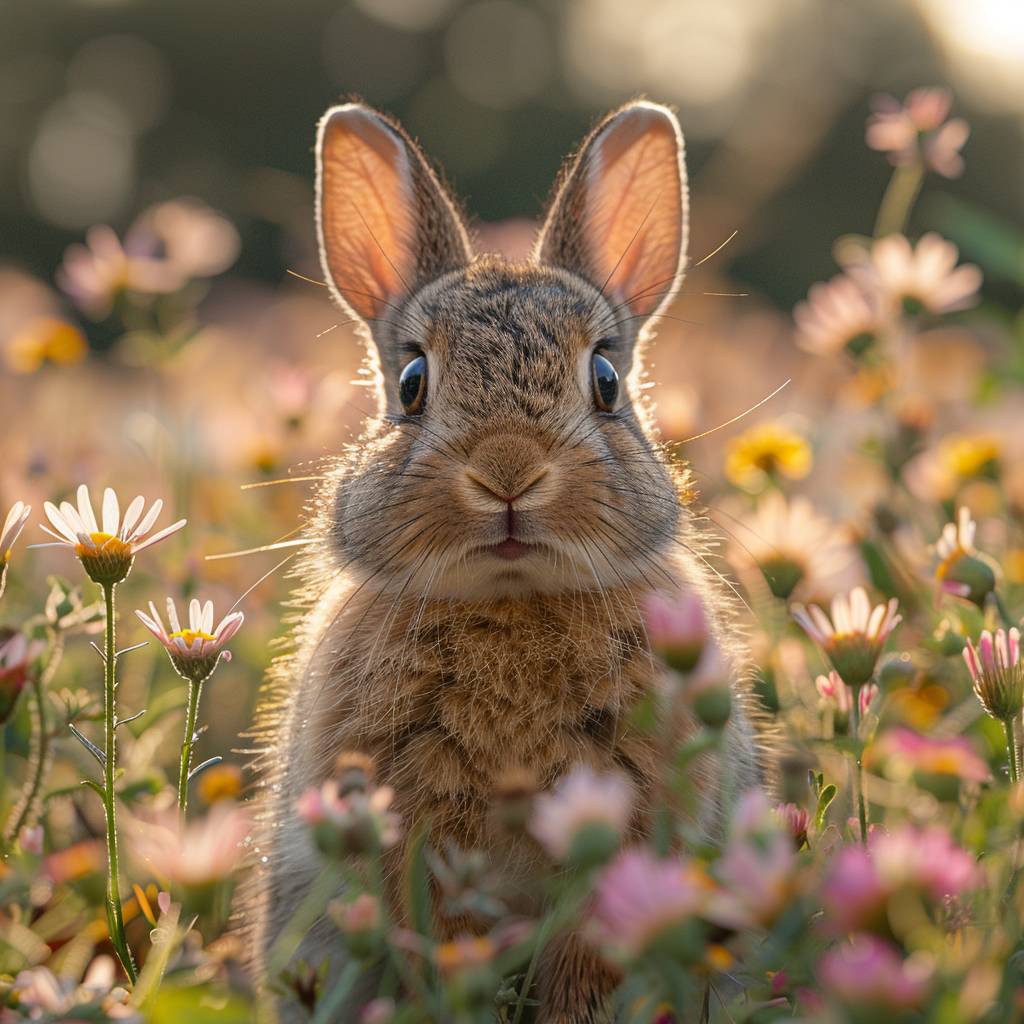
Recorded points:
(412, 385)
(606, 383)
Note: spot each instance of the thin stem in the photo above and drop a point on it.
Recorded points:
(899, 199)
(115, 919)
(858, 769)
(26, 807)
(1011, 750)
(194, 691)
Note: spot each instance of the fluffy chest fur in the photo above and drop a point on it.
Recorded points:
(447, 697)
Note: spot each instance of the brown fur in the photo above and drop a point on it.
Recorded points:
(445, 665)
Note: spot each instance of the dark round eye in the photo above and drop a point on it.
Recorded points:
(412, 385)
(606, 383)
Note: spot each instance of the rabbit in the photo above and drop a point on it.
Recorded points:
(471, 602)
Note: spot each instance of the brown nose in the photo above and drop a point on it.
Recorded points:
(500, 491)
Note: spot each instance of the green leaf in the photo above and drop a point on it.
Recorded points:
(825, 798)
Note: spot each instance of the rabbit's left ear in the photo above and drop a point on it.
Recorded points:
(620, 216)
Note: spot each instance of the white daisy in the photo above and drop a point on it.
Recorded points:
(194, 650)
(106, 552)
(13, 525)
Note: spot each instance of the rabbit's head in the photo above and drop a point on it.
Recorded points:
(512, 452)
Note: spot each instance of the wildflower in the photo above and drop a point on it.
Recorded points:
(970, 456)
(764, 453)
(192, 239)
(918, 129)
(16, 655)
(378, 1011)
(15, 522)
(794, 547)
(220, 782)
(94, 275)
(48, 997)
(643, 901)
(193, 855)
(756, 870)
(862, 879)
(837, 316)
(837, 695)
(30, 840)
(962, 571)
(584, 817)
(106, 554)
(196, 650)
(45, 339)
(465, 953)
(869, 972)
(677, 628)
(939, 763)
(75, 862)
(796, 821)
(917, 278)
(854, 637)
(355, 823)
(997, 672)
(360, 920)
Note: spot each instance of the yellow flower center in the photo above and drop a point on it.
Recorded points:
(104, 544)
(191, 635)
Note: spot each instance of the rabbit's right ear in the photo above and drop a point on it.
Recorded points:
(619, 218)
(386, 227)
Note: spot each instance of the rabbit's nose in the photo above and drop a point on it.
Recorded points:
(501, 491)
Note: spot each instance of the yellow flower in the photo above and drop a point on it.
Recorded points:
(764, 452)
(968, 456)
(222, 782)
(45, 339)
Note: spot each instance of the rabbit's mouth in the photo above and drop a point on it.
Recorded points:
(510, 549)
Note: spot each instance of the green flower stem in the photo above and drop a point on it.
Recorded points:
(25, 810)
(858, 767)
(191, 714)
(899, 199)
(115, 919)
(1011, 750)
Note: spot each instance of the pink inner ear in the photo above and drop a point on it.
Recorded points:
(366, 210)
(635, 208)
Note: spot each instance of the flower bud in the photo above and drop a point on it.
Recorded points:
(677, 628)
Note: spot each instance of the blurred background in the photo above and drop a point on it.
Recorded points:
(187, 128)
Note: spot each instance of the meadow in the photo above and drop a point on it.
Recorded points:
(859, 457)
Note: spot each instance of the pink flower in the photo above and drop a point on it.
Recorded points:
(997, 672)
(96, 273)
(196, 854)
(795, 820)
(861, 880)
(16, 655)
(581, 800)
(918, 129)
(916, 277)
(677, 628)
(906, 752)
(196, 650)
(639, 896)
(378, 1011)
(191, 239)
(356, 822)
(756, 869)
(869, 971)
(835, 693)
